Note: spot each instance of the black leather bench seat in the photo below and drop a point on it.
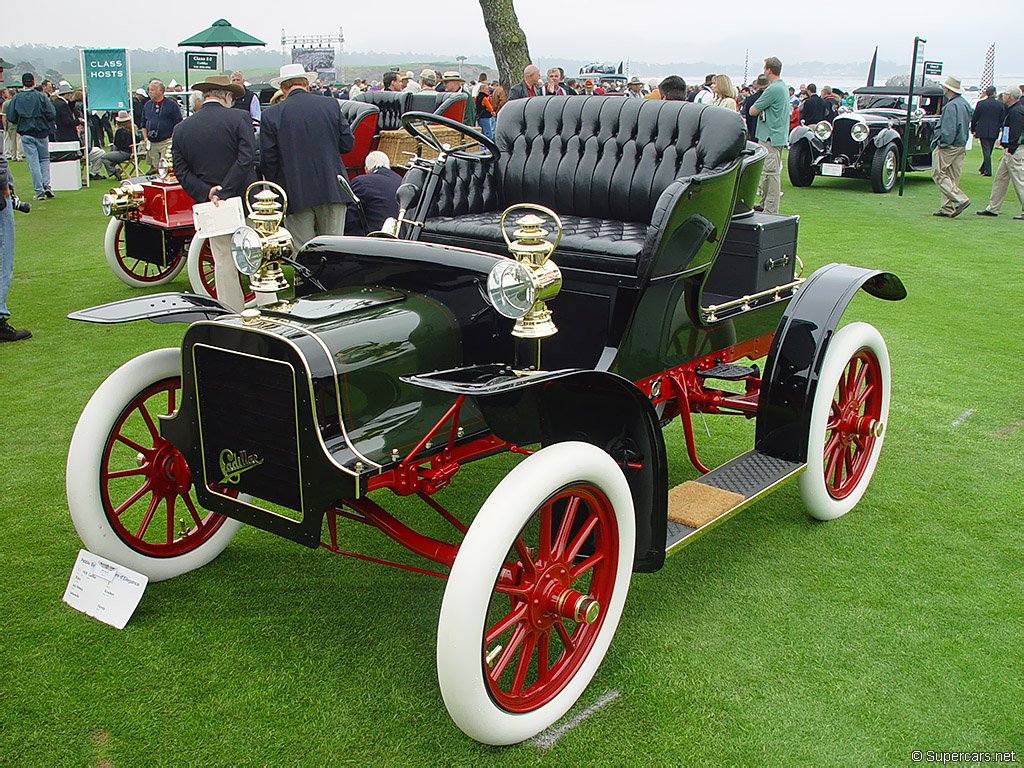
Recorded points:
(601, 245)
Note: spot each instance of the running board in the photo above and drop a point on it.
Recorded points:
(697, 506)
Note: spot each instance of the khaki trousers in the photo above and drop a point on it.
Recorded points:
(946, 165)
(1010, 169)
(770, 186)
(12, 143)
(304, 225)
(226, 277)
(156, 148)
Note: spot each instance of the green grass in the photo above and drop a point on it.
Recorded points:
(774, 640)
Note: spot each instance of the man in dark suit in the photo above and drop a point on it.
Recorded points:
(376, 192)
(986, 122)
(214, 155)
(529, 85)
(302, 139)
(812, 110)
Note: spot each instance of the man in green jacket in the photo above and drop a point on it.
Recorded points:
(949, 146)
(772, 110)
(33, 112)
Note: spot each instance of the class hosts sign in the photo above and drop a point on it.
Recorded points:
(105, 74)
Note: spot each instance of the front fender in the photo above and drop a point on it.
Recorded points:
(886, 136)
(798, 349)
(157, 307)
(597, 407)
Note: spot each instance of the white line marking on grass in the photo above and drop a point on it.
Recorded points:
(963, 417)
(547, 739)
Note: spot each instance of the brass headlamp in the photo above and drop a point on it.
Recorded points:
(258, 250)
(123, 200)
(521, 287)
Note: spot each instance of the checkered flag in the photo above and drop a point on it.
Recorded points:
(988, 76)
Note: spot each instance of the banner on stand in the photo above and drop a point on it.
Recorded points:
(105, 75)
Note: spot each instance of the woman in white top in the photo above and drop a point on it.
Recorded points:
(725, 93)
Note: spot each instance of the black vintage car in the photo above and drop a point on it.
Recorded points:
(403, 357)
(868, 142)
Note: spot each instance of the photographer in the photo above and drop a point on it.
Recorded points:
(7, 204)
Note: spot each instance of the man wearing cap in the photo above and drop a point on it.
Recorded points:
(949, 145)
(528, 86)
(122, 150)
(409, 84)
(32, 111)
(214, 154)
(453, 83)
(67, 124)
(634, 88)
(302, 139)
(704, 95)
(248, 102)
(159, 117)
(772, 110)
(1011, 164)
(755, 91)
(428, 80)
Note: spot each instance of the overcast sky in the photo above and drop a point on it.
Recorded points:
(598, 30)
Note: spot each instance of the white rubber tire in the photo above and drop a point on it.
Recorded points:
(114, 226)
(85, 457)
(194, 262)
(846, 343)
(476, 569)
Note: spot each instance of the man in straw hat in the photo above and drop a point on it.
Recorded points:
(302, 139)
(949, 145)
(108, 161)
(453, 83)
(214, 154)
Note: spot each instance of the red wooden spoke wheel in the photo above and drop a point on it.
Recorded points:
(535, 593)
(847, 422)
(129, 490)
(135, 271)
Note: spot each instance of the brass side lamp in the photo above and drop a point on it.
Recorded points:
(520, 288)
(258, 250)
(123, 200)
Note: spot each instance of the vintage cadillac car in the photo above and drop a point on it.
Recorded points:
(403, 357)
(867, 143)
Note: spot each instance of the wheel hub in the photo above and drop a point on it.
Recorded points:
(170, 472)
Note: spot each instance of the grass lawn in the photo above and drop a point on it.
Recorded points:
(775, 640)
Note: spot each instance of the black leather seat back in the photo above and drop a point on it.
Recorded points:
(424, 101)
(607, 157)
(391, 105)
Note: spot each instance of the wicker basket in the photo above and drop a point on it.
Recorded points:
(399, 145)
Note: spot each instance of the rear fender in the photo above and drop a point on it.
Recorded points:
(156, 307)
(798, 349)
(597, 407)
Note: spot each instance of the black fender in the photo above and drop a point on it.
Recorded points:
(156, 307)
(887, 135)
(596, 407)
(798, 349)
(806, 133)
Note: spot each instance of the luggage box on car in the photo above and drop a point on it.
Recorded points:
(758, 253)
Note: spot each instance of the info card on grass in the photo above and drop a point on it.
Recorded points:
(104, 590)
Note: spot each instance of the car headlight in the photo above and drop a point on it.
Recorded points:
(246, 250)
(823, 130)
(859, 132)
(510, 289)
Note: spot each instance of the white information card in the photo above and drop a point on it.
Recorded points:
(221, 218)
(104, 590)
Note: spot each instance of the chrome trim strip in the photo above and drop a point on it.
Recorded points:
(202, 447)
(698, 532)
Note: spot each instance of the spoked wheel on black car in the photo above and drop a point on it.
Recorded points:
(884, 168)
(475, 146)
(136, 272)
(801, 173)
(848, 421)
(535, 593)
(129, 490)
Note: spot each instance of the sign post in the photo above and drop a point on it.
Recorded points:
(106, 85)
(933, 68)
(206, 62)
(918, 41)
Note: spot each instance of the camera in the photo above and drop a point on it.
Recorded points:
(19, 205)
(152, 135)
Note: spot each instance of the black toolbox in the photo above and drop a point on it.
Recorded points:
(758, 253)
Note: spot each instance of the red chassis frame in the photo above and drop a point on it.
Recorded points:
(681, 389)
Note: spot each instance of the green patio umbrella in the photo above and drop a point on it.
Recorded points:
(222, 35)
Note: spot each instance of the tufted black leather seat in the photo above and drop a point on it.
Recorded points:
(613, 169)
(391, 105)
